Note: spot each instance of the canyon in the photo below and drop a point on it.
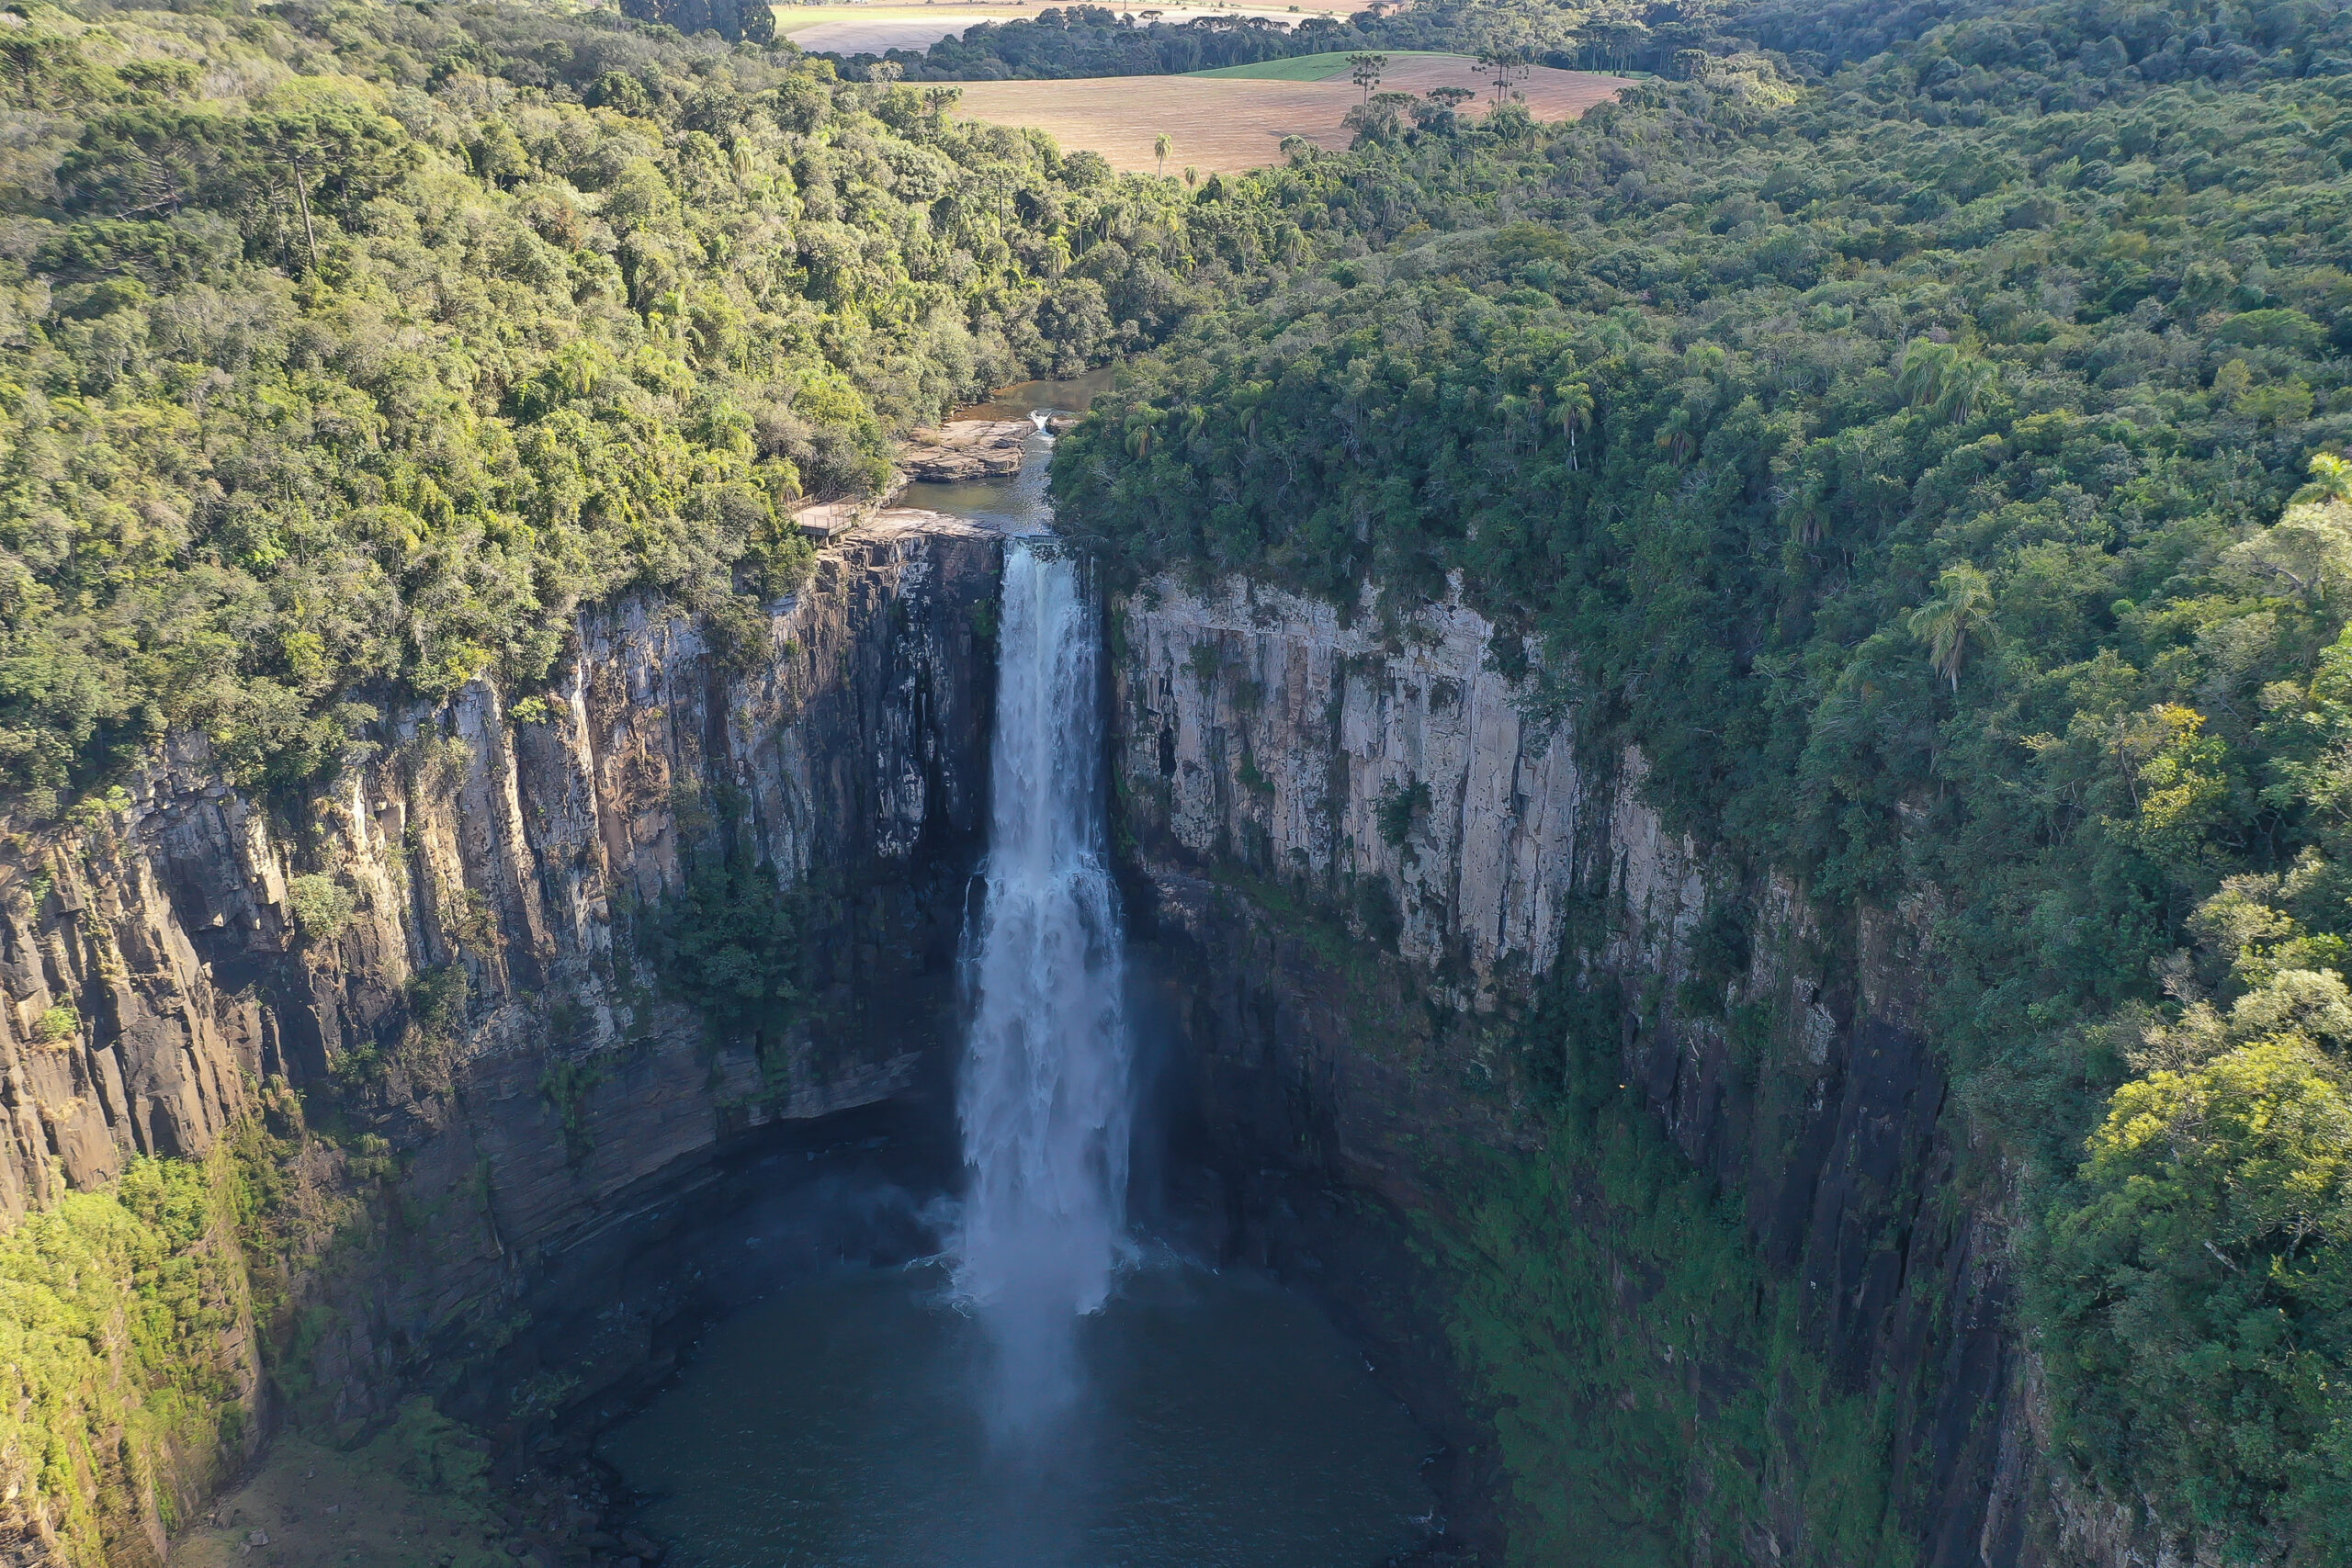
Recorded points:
(522, 1112)
(1355, 860)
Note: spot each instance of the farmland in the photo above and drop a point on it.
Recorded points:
(859, 28)
(1235, 118)
(1318, 67)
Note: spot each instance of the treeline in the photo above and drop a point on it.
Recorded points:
(1805, 41)
(1664, 37)
(1940, 473)
(737, 21)
(346, 351)
(1094, 41)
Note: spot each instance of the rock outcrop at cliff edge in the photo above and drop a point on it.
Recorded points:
(1272, 750)
(444, 932)
(966, 449)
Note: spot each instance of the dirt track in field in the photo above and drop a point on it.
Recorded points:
(1229, 124)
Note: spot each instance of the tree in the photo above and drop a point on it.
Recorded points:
(1962, 609)
(1574, 411)
(1379, 118)
(1160, 146)
(1365, 71)
(1435, 111)
(1941, 379)
(2201, 1273)
(737, 21)
(1503, 65)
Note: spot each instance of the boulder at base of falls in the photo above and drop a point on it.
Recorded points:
(966, 449)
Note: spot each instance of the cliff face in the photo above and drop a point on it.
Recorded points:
(441, 951)
(441, 957)
(1275, 760)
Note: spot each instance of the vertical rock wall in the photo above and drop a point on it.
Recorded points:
(1274, 756)
(461, 985)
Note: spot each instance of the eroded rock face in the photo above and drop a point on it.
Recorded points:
(966, 449)
(1263, 731)
(1265, 744)
(469, 987)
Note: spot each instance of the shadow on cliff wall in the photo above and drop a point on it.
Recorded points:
(618, 1310)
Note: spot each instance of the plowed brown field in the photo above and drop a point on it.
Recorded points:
(868, 26)
(1228, 123)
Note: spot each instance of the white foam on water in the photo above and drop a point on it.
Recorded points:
(1043, 1100)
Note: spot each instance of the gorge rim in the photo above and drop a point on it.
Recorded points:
(1627, 849)
(1052, 1388)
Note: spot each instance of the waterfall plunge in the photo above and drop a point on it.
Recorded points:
(1045, 1094)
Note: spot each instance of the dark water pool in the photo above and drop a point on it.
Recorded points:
(1222, 1423)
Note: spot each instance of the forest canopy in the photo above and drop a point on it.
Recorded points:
(348, 350)
(1925, 431)
(1923, 435)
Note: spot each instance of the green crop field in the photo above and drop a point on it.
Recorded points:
(1310, 67)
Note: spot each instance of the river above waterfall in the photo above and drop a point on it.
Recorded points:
(1024, 1399)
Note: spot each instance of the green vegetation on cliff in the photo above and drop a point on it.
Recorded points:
(1931, 465)
(348, 350)
(1659, 1400)
(124, 1318)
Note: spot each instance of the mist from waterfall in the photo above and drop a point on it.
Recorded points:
(1045, 1094)
(971, 1409)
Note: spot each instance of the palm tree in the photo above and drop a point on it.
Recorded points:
(1191, 176)
(1808, 511)
(1676, 438)
(1962, 609)
(1940, 378)
(1160, 151)
(1964, 386)
(1919, 378)
(2331, 480)
(1574, 413)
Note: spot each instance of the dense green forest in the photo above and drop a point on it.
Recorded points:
(346, 350)
(1661, 37)
(1930, 459)
(1925, 430)
(1095, 41)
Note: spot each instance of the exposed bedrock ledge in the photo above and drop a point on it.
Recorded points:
(1270, 753)
(155, 971)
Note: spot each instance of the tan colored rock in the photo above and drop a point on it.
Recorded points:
(1272, 732)
(966, 449)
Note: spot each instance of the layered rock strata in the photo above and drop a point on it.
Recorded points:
(1274, 755)
(441, 951)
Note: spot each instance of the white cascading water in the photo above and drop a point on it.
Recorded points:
(1043, 1100)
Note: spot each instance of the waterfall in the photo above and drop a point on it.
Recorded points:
(1043, 1100)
